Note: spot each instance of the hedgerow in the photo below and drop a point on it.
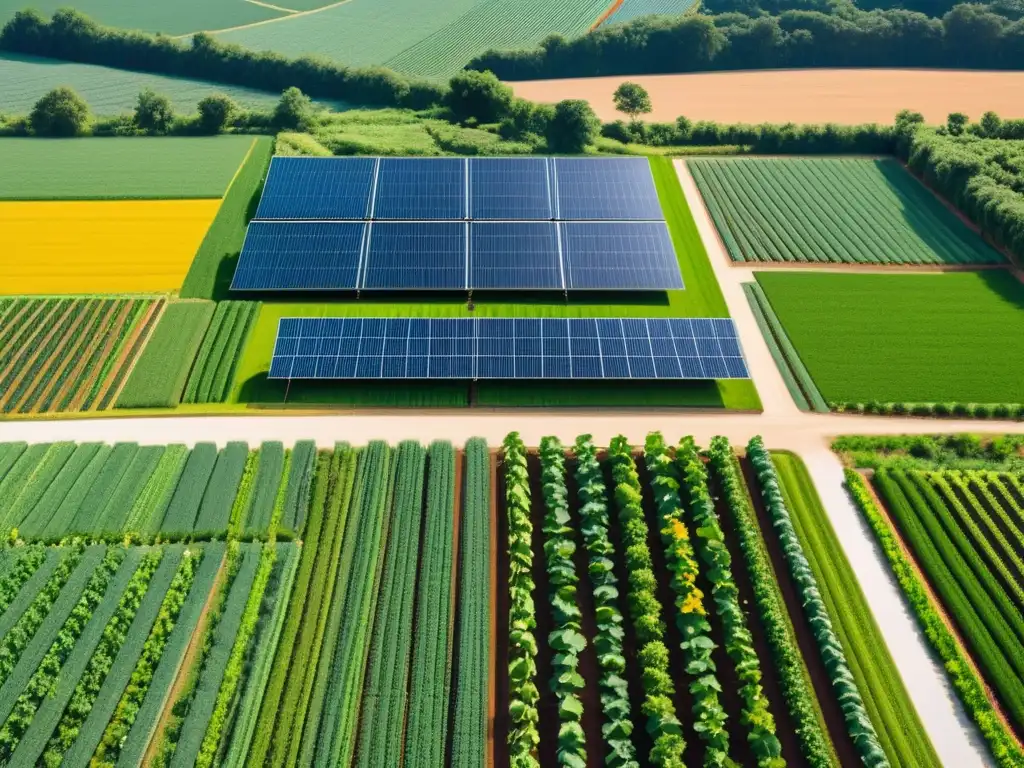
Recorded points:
(739, 643)
(566, 638)
(794, 680)
(969, 687)
(646, 612)
(858, 724)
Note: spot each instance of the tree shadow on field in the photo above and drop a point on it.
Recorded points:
(1004, 284)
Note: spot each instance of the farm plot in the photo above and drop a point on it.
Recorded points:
(634, 9)
(495, 24)
(904, 339)
(823, 210)
(69, 354)
(212, 376)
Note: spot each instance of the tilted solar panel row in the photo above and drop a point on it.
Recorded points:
(346, 256)
(436, 189)
(507, 348)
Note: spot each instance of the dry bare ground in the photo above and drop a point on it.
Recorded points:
(845, 96)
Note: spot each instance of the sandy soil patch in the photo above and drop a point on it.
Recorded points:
(845, 96)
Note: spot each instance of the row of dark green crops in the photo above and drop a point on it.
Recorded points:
(51, 491)
(653, 645)
(384, 651)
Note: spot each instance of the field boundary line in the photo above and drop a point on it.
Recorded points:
(261, 23)
(129, 342)
(273, 7)
(238, 171)
(608, 13)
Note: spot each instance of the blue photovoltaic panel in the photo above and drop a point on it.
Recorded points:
(318, 188)
(426, 255)
(507, 348)
(514, 255)
(291, 256)
(510, 188)
(605, 189)
(629, 255)
(420, 189)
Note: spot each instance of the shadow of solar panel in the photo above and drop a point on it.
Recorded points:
(317, 188)
(612, 189)
(292, 256)
(505, 348)
(514, 255)
(420, 189)
(415, 255)
(510, 188)
(636, 256)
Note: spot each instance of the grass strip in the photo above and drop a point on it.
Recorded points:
(88, 515)
(215, 511)
(188, 496)
(57, 490)
(148, 511)
(112, 517)
(265, 488)
(788, 377)
(42, 476)
(62, 520)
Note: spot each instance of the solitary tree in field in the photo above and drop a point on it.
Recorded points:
(572, 127)
(153, 112)
(215, 112)
(61, 112)
(632, 99)
(956, 123)
(294, 110)
(478, 95)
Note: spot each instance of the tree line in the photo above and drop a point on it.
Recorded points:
(967, 37)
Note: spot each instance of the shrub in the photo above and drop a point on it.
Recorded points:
(61, 112)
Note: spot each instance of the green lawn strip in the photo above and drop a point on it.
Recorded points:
(193, 727)
(300, 483)
(303, 699)
(148, 510)
(985, 632)
(123, 593)
(338, 726)
(113, 515)
(93, 715)
(184, 505)
(430, 688)
(212, 269)
(789, 376)
(215, 510)
(135, 168)
(904, 338)
(275, 608)
(62, 520)
(224, 377)
(344, 502)
(159, 689)
(19, 473)
(896, 720)
(968, 685)
(53, 496)
(161, 371)
(222, 338)
(285, 671)
(29, 589)
(9, 455)
(213, 331)
(265, 488)
(45, 472)
(87, 515)
(21, 661)
(386, 692)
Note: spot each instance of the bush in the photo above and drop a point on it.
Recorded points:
(61, 112)
(215, 112)
(153, 112)
(573, 127)
(478, 96)
(294, 111)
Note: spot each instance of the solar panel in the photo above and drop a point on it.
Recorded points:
(514, 255)
(632, 255)
(421, 189)
(614, 188)
(318, 188)
(507, 348)
(290, 256)
(425, 255)
(511, 188)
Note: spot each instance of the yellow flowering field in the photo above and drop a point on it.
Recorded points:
(124, 246)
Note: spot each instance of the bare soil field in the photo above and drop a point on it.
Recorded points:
(845, 96)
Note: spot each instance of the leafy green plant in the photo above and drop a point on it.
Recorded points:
(523, 736)
(566, 638)
(28, 563)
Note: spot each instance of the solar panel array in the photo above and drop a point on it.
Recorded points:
(507, 348)
(521, 223)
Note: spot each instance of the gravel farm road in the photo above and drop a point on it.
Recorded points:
(781, 425)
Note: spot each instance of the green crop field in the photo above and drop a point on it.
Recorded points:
(108, 91)
(146, 168)
(496, 24)
(634, 9)
(848, 210)
(905, 338)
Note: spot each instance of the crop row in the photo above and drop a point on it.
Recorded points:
(212, 373)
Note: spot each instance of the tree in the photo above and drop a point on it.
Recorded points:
(215, 112)
(632, 99)
(153, 112)
(990, 125)
(294, 111)
(956, 123)
(572, 127)
(478, 95)
(61, 112)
